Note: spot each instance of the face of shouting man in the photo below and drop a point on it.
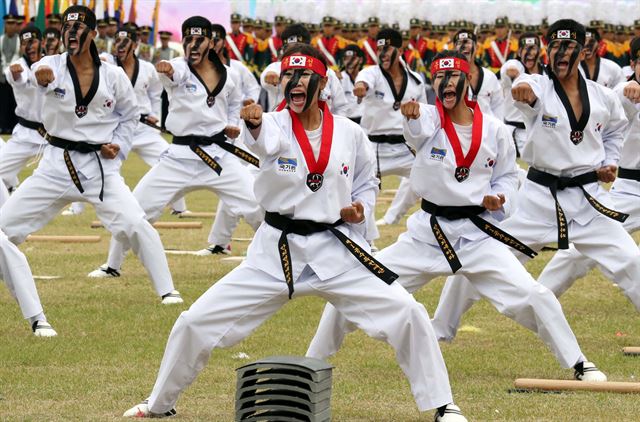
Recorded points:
(76, 37)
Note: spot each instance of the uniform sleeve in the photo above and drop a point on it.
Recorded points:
(367, 76)
(250, 87)
(613, 132)
(422, 97)
(269, 142)
(22, 79)
(506, 81)
(53, 62)
(417, 132)
(127, 108)
(365, 183)
(155, 93)
(497, 99)
(234, 104)
(504, 178)
(629, 107)
(618, 75)
(272, 90)
(180, 73)
(339, 105)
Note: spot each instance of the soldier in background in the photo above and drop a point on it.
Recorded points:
(275, 41)
(499, 49)
(368, 44)
(9, 53)
(103, 43)
(164, 52)
(54, 20)
(146, 48)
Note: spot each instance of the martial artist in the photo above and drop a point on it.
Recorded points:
(27, 138)
(316, 181)
(90, 113)
(204, 108)
(52, 42)
(599, 69)
(353, 60)
(561, 200)
(270, 76)
(566, 266)
(464, 170)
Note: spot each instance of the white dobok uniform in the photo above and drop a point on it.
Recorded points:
(25, 142)
(321, 265)
(332, 93)
(180, 170)
(489, 265)
(607, 72)
(568, 265)
(110, 115)
(355, 110)
(548, 148)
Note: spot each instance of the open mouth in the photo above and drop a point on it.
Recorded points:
(194, 56)
(298, 98)
(449, 95)
(562, 65)
(73, 43)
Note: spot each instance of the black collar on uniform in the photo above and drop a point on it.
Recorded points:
(397, 96)
(596, 72)
(576, 125)
(82, 103)
(475, 91)
(136, 69)
(216, 90)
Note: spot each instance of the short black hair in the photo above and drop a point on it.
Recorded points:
(297, 31)
(218, 30)
(305, 49)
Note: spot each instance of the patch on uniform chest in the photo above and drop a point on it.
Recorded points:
(81, 111)
(549, 121)
(437, 154)
(344, 169)
(379, 94)
(191, 87)
(108, 103)
(59, 93)
(490, 162)
(287, 165)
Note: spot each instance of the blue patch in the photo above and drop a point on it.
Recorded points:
(549, 121)
(59, 93)
(379, 94)
(191, 87)
(287, 165)
(437, 154)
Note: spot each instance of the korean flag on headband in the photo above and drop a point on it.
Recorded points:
(196, 31)
(297, 61)
(564, 34)
(446, 63)
(72, 17)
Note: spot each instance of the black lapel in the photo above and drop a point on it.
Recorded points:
(211, 94)
(576, 125)
(596, 71)
(478, 87)
(82, 104)
(397, 96)
(136, 70)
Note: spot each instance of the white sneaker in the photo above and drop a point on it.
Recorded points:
(214, 250)
(181, 213)
(451, 413)
(43, 329)
(68, 212)
(104, 271)
(587, 371)
(142, 411)
(172, 298)
(381, 222)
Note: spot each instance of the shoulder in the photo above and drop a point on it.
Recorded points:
(417, 79)
(273, 67)
(147, 66)
(610, 64)
(489, 75)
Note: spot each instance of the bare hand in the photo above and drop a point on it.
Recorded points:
(353, 214)
(410, 110)
(523, 93)
(252, 114)
(152, 120)
(248, 101)
(16, 69)
(607, 174)
(493, 202)
(512, 73)
(232, 132)
(110, 151)
(165, 67)
(272, 78)
(632, 91)
(360, 90)
(44, 76)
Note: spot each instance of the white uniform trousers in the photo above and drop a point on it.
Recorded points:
(602, 240)
(23, 145)
(242, 300)
(16, 274)
(492, 269)
(172, 178)
(41, 197)
(519, 137)
(568, 265)
(4, 193)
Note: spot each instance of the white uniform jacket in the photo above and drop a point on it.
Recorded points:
(630, 158)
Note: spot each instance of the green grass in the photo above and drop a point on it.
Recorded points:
(112, 334)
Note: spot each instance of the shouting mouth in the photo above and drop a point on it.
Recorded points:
(73, 43)
(298, 97)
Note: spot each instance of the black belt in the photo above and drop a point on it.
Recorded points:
(387, 139)
(194, 143)
(29, 124)
(555, 183)
(83, 148)
(471, 212)
(632, 174)
(519, 125)
(143, 118)
(308, 227)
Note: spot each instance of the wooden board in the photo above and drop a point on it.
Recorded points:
(63, 239)
(163, 225)
(564, 385)
(631, 351)
(196, 214)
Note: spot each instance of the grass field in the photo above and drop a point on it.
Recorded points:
(112, 334)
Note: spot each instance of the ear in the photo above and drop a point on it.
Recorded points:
(323, 83)
(582, 55)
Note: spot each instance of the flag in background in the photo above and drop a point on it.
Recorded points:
(3, 11)
(25, 6)
(118, 10)
(153, 36)
(132, 11)
(40, 17)
(92, 5)
(48, 7)
(56, 7)
(106, 9)
(13, 8)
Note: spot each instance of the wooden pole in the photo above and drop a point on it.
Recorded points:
(196, 214)
(63, 239)
(631, 351)
(563, 385)
(163, 224)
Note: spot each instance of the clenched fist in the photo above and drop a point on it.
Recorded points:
(16, 69)
(165, 67)
(110, 151)
(493, 202)
(512, 73)
(247, 102)
(607, 174)
(44, 76)
(232, 132)
(632, 91)
(523, 93)
(360, 90)
(272, 78)
(353, 214)
(410, 110)
(252, 114)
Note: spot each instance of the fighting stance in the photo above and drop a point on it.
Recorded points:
(90, 113)
(316, 182)
(204, 108)
(564, 202)
(465, 169)
(599, 69)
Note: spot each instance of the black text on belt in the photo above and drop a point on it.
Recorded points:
(29, 124)
(194, 143)
(81, 147)
(555, 183)
(632, 174)
(472, 213)
(306, 228)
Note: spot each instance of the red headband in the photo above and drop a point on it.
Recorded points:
(450, 63)
(301, 61)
